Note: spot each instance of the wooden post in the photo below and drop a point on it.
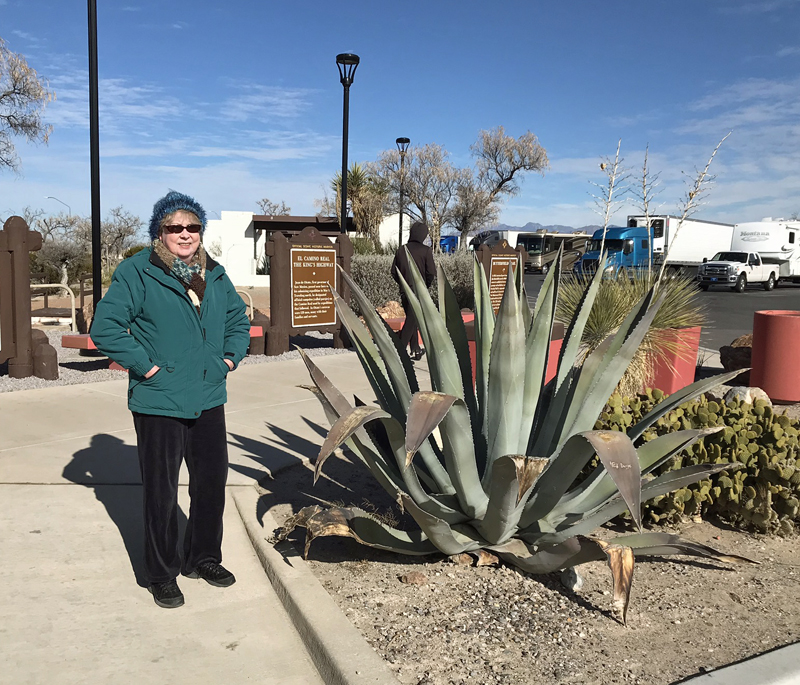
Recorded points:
(19, 241)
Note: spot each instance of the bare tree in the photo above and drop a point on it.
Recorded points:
(465, 199)
(501, 158)
(271, 208)
(23, 98)
(63, 255)
(473, 209)
(698, 188)
(612, 191)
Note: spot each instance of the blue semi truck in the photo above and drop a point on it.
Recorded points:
(628, 247)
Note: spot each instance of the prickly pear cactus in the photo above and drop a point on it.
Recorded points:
(762, 494)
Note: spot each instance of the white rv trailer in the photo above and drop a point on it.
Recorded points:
(687, 246)
(776, 240)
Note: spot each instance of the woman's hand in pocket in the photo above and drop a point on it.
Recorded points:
(152, 372)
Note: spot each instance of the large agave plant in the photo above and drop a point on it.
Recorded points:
(500, 472)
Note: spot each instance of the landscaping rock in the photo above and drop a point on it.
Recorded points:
(746, 394)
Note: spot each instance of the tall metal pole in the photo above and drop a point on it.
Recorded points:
(347, 64)
(345, 116)
(94, 143)
(402, 146)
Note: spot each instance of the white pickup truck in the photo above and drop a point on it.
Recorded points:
(736, 270)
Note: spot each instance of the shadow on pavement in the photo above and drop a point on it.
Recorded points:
(111, 468)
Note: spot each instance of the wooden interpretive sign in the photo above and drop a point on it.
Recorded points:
(302, 272)
(496, 263)
(313, 275)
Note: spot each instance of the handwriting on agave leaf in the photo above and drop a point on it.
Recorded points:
(498, 277)
(619, 465)
(313, 276)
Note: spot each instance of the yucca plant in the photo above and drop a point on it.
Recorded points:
(500, 472)
(615, 298)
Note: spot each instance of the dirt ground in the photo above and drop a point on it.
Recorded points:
(456, 624)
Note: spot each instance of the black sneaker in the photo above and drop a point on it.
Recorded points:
(418, 355)
(213, 573)
(167, 595)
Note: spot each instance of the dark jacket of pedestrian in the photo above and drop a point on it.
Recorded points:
(421, 253)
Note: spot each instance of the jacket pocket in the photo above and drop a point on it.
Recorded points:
(216, 371)
(154, 392)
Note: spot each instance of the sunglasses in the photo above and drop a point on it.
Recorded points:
(176, 228)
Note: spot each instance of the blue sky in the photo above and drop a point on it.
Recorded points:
(231, 102)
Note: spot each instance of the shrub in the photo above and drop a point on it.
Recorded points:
(372, 273)
(762, 494)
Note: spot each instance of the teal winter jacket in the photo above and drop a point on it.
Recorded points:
(146, 319)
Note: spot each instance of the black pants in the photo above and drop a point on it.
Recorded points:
(163, 443)
(409, 332)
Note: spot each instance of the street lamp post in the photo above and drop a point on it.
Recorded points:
(50, 197)
(402, 146)
(94, 156)
(347, 64)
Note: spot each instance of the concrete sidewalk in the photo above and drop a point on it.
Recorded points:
(73, 608)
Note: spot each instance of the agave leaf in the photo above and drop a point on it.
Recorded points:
(426, 411)
(618, 455)
(397, 364)
(330, 392)
(550, 281)
(442, 360)
(331, 415)
(565, 465)
(484, 332)
(662, 544)
(358, 524)
(512, 478)
(574, 334)
(345, 426)
(404, 384)
(506, 379)
(620, 561)
(458, 448)
(676, 399)
(370, 358)
(448, 539)
(599, 486)
(448, 305)
(596, 390)
(442, 506)
(585, 522)
(550, 558)
(537, 353)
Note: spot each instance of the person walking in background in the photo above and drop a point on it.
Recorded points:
(173, 318)
(422, 255)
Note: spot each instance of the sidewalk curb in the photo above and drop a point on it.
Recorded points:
(776, 667)
(339, 651)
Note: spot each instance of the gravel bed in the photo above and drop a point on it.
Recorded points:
(74, 369)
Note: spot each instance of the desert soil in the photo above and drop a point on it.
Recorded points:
(455, 624)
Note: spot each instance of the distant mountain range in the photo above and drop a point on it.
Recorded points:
(532, 227)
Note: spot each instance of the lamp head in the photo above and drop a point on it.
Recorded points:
(347, 63)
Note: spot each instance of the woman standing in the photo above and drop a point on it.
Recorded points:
(173, 319)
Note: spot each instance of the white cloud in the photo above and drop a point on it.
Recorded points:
(264, 103)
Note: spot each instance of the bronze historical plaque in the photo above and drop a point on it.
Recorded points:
(313, 274)
(498, 276)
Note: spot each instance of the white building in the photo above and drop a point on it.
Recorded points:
(237, 240)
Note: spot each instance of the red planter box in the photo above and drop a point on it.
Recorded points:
(678, 372)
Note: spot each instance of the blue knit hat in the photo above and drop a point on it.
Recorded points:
(175, 202)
